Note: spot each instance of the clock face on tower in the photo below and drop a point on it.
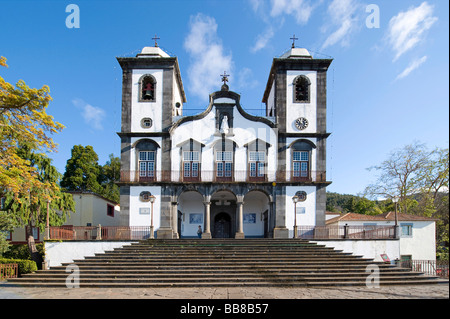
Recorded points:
(301, 123)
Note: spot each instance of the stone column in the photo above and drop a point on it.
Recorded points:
(207, 231)
(175, 219)
(165, 230)
(280, 230)
(240, 229)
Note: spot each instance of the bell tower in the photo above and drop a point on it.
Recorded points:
(152, 96)
(296, 100)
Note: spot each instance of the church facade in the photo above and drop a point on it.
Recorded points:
(234, 174)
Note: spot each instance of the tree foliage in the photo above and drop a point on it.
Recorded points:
(27, 179)
(83, 173)
(111, 175)
(23, 122)
(419, 178)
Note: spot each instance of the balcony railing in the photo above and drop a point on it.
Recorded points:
(346, 232)
(143, 232)
(99, 232)
(236, 176)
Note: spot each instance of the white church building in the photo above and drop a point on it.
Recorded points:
(230, 172)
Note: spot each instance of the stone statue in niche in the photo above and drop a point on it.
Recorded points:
(224, 127)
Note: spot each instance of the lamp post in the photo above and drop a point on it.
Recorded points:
(395, 200)
(47, 224)
(152, 200)
(295, 199)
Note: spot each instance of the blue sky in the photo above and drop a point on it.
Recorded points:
(387, 85)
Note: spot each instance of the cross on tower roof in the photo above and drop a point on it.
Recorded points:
(156, 38)
(224, 77)
(293, 40)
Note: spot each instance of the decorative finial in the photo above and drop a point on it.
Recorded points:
(293, 41)
(224, 80)
(156, 38)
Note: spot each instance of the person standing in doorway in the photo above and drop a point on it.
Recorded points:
(199, 231)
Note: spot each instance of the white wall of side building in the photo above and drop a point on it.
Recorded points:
(420, 245)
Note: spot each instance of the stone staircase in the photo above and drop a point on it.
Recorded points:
(223, 263)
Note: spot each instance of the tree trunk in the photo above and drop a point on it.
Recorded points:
(35, 256)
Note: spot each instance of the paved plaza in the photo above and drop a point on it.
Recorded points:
(440, 291)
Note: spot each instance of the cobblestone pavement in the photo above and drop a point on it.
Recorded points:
(440, 291)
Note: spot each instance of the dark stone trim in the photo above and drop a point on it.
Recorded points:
(300, 135)
(304, 141)
(142, 134)
(243, 184)
(156, 63)
(293, 64)
(217, 95)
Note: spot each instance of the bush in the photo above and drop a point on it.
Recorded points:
(25, 266)
(4, 244)
(21, 251)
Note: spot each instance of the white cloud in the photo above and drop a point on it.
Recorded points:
(263, 39)
(207, 56)
(256, 4)
(246, 79)
(407, 28)
(343, 16)
(92, 115)
(300, 9)
(414, 65)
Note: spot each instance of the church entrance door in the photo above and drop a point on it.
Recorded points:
(222, 226)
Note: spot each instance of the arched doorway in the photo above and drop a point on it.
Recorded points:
(223, 214)
(222, 226)
(256, 214)
(191, 208)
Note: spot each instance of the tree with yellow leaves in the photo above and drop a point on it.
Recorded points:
(27, 179)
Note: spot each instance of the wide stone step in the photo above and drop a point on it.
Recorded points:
(224, 262)
(311, 284)
(217, 282)
(230, 258)
(198, 275)
(225, 253)
(222, 269)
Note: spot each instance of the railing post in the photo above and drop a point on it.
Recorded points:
(345, 231)
(99, 232)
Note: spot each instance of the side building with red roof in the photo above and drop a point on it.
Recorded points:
(417, 233)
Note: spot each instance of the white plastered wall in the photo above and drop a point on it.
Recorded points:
(306, 218)
(136, 217)
(140, 110)
(296, 110)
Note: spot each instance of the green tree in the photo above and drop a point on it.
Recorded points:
(83, 173)
(111, 175)
(399, 175)
(419, 178)
(26, 177)
(30, 208)
(23, 122)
